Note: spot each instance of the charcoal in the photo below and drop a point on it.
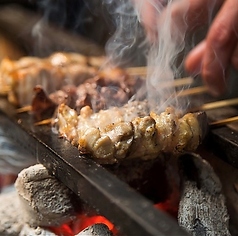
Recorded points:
(10, 214)
(28, 231)
(96, 230)
(202, 208)
(45, 200)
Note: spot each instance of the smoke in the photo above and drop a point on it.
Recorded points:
(127, 46)
(163, 61)
(171, 40)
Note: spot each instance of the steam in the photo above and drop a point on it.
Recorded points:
(162, 55)
(127, 46)
(168, 49)
(163, 60)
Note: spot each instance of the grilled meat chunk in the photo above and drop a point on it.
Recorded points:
(110, 88)
(101, 92)
(123, 133)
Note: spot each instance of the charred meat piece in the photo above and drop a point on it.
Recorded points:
(112, 87)
(119, 134)
(42, 105)
(100, 92)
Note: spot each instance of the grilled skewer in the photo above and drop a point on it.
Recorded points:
(110, 88)
(119, 134)
(18, 78)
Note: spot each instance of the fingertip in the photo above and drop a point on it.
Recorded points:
(193, 62)
(192, 66)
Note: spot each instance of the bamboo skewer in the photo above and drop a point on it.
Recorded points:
(177, 82)
(143, 72)
(137, 70)
(44, 122)
(192, 91)
(217, 104)
(223, 122)
(24, 109)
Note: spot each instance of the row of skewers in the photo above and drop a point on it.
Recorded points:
(87, 100)
(61, 78)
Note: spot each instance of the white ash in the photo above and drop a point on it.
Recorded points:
(10, 214)
(45, 200)
(202, 208)
(35, 231)
(96, 230)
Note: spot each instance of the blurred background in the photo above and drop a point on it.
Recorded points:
(39, 28)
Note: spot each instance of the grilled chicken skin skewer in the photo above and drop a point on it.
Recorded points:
(119, 134)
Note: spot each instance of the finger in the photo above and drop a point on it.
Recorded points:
(220, 44)
(193, 62)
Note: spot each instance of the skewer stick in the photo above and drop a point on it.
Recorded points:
(223, 122)
(143, 71)
(192, 91)
(177, 82)
(44, 122)
(218, 104)
(24, 109)
(137, 70)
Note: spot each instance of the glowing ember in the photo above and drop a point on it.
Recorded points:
(168, 207)
(82, 222)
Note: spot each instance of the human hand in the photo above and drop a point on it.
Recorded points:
(212, 57)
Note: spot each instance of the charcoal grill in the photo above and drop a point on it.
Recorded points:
(131, 213)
